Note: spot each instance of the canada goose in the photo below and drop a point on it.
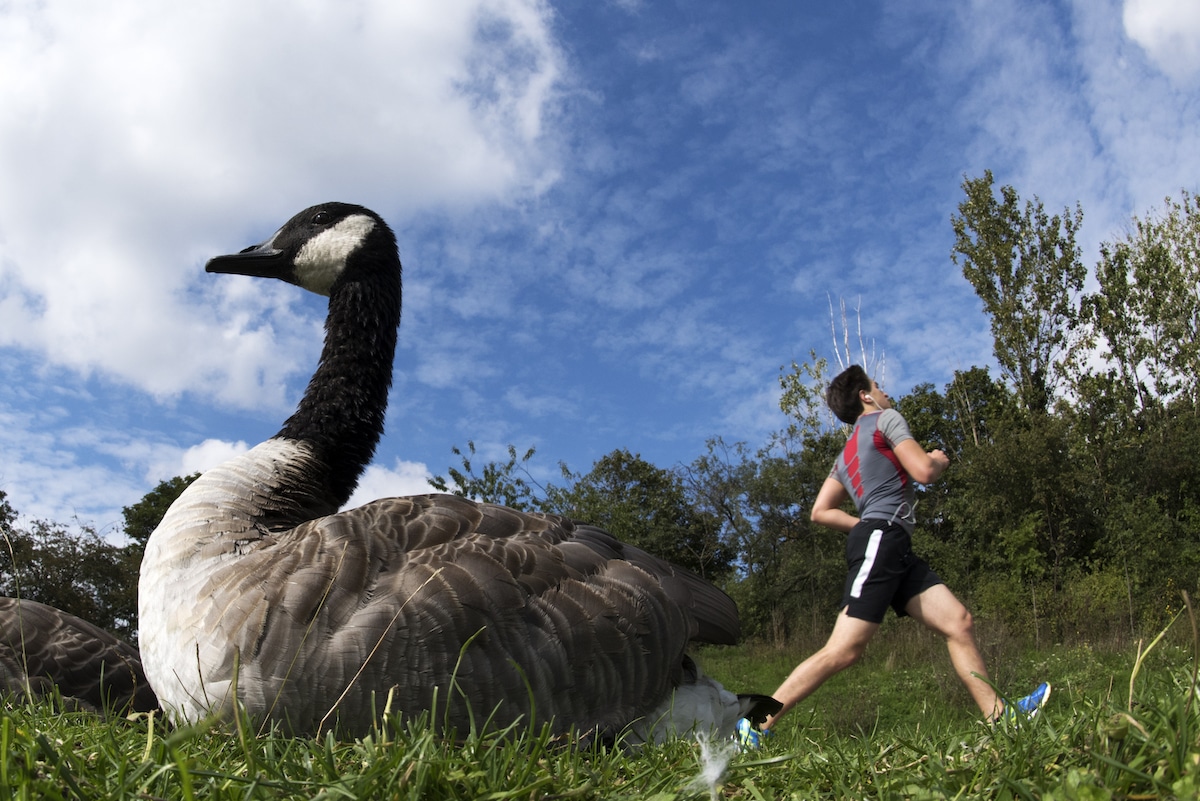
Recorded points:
(43, 648)
(255, 584)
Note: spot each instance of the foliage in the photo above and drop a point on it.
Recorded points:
(645, 506)
(790, 571)
(141, 518)
(8, 515)
(802, 399)
(1026, 268)
(787, 565)
(79, 572)
(498, 483)
(1147, 312)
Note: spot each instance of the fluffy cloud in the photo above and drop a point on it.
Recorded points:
(617, 220)
(138, 140)
(403, 478)
(1169, 32)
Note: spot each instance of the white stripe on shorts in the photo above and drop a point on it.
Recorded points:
(868, 562)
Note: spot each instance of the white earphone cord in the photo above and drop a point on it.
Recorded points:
(909, 517)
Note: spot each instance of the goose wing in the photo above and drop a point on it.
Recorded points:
(468, 609)
(42, 647)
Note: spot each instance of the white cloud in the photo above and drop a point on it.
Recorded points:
(205, 456)
(1169, 32)
(138, 140)
(716, 176)
(49, 470)
(403, 478)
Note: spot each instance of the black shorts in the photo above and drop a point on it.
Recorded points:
(884, 571)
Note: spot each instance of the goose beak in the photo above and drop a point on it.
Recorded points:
(261, 261)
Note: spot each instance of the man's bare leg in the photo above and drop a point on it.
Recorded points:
(939, 610)
(845, 647)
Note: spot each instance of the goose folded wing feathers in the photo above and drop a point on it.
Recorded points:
(523, 611)
(487, 597)
(43, 648)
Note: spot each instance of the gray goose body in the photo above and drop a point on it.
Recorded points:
(255, 585)
(43, 649)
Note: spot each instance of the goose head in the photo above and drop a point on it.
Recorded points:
(314, 249)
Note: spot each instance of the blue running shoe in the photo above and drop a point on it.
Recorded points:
(749, 738)
(1030, 705)
(1037, 699)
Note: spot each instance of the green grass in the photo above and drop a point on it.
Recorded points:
(898, 725)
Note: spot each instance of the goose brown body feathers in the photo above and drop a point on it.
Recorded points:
(255, 585)
(43, 649)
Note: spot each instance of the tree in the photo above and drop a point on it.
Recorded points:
(1147, 310)
(1026, 268)
(646, 506)
(802, 399)
(7, 513)
(81, 572)
(498, 483)
(790, 571)
(719, 485)
(78, 572)
(963, 421)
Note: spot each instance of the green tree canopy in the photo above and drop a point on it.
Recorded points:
(1026, 268)
(78, 572)
(1147, 311)
(645, 506)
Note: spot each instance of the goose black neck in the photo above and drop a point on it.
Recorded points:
(341, 415)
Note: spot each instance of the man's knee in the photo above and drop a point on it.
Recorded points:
(843, 655)
(961, 626)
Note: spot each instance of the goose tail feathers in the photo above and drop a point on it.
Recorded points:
(701, 707)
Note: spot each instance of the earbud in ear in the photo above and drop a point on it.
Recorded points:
(869, 399)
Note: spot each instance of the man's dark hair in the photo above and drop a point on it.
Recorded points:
(842, 395)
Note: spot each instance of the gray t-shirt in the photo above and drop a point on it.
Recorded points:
(871, 473)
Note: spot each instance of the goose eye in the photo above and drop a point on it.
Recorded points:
(320, 218)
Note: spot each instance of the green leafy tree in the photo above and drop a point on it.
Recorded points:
(645, 506)
(802, 399)
(499, 482)
(790, 571)
(719, 484)
(8, 515)
(962, 421)
(1134, 420)
(141, 518)
(78, 572)
(1026, 268)
(81, 572)
(804, 582)
(1147, 310)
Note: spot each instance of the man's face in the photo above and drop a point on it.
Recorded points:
(880, 397)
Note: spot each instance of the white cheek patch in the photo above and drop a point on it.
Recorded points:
(323, 258)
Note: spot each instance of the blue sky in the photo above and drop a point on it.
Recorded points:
(618, 220)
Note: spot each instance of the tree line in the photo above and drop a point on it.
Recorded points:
(1071, 510)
